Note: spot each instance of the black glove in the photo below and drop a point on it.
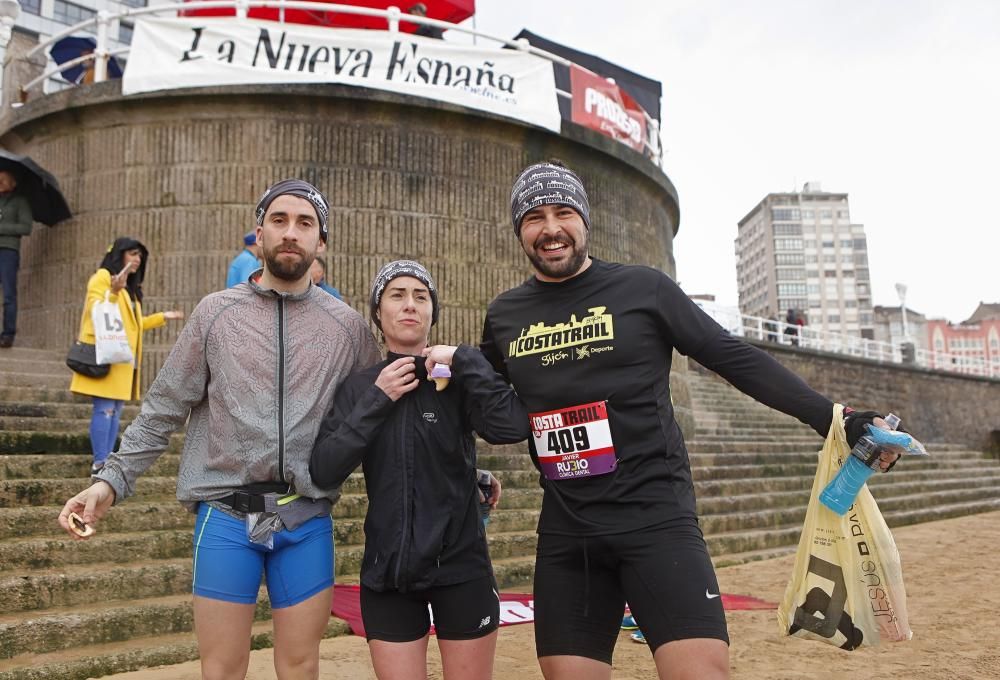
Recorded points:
(854, 427)
(855, 422)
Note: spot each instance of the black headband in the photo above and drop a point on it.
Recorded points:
(547, 184)
(302, 189)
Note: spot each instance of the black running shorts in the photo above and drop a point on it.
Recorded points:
(583, 582)
(464, 611)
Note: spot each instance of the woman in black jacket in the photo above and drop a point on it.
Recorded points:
(424, 541)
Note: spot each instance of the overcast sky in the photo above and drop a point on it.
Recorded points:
(896, 103)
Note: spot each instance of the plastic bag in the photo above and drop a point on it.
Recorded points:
(111, 340)
(847, 584)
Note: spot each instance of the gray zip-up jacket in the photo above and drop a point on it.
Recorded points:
(256, 371)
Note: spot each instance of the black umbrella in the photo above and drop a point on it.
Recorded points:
(48, 205)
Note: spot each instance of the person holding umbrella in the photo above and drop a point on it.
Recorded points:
(28, 193)
(15, 222)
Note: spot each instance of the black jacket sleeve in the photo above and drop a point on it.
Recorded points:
(758, 374)
(352, 424)
(488, 348)
(491, 405)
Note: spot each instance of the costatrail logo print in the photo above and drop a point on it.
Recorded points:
(538, 338)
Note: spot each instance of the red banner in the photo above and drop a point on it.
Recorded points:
(602, 106)
(514, 608)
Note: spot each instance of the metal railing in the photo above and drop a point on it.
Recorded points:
(811, 337)
(104, 19)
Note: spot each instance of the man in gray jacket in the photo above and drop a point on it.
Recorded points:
(252, 374)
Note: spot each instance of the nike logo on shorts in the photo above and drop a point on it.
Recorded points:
(710, 596)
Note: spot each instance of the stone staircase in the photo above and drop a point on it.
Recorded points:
(754, 469)
(122, 600)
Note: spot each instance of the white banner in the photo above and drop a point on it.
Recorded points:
(199, 52)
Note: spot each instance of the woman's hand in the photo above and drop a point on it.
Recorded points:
(119, 280)
(173, 315)
(398, 378)
(438, 354)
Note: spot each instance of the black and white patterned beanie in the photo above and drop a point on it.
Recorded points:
(547, 184)
(394, 270)
(302, 189)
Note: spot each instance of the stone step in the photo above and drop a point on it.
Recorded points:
(136, 514)
(31, 394)
(35, 365)
(70, 465)
(53, 380)
(57, 587)
(117, 657)
(123, 548)
(97, 623)
(769, 458)
(22, 350)
(100, 660)
(15, 493)
(801, 440)
(40, 441)
(731, 559)
(51, 425)
(55, 409)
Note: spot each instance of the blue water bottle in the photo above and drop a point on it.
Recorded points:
(840, 493)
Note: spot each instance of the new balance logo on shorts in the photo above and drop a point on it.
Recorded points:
(485, 622)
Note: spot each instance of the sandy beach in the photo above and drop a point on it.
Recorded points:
(951, 578)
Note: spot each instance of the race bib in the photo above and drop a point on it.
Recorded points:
(574, 442)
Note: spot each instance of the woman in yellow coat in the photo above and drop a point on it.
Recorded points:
(120, 275)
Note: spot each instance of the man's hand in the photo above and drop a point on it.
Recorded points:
(91, 505)
(855, 423)
(173, 315)
(398, 378)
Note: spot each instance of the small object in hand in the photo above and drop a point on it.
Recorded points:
(79, 527)
(440, 374)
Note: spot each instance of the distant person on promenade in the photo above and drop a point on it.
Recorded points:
(251, 375)
(588, 346)
(420, 10)
(15, 222)
(120, 277)
(792, 326)
(245, 263)
(318, 274)
(425, 542)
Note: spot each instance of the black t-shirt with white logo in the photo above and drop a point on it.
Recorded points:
(590, 357)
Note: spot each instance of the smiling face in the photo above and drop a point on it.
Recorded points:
(405, 312)
(289, 237)
(555, 239)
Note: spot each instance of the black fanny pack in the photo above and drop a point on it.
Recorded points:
(250, 498)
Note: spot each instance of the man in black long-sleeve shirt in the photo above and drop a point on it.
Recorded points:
(588, 346)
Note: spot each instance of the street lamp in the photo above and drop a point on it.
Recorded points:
(901, 292)
(9, 11)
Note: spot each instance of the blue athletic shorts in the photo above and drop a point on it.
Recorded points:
(227, 566)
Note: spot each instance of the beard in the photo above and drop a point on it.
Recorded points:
(284, 269)
(559, 270)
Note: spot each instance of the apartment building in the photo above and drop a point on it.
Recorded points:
(801, 251)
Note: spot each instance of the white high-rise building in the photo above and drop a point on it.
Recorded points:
(800, 251)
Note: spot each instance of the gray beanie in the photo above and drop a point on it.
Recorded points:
(547, 184)
(394, 270)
